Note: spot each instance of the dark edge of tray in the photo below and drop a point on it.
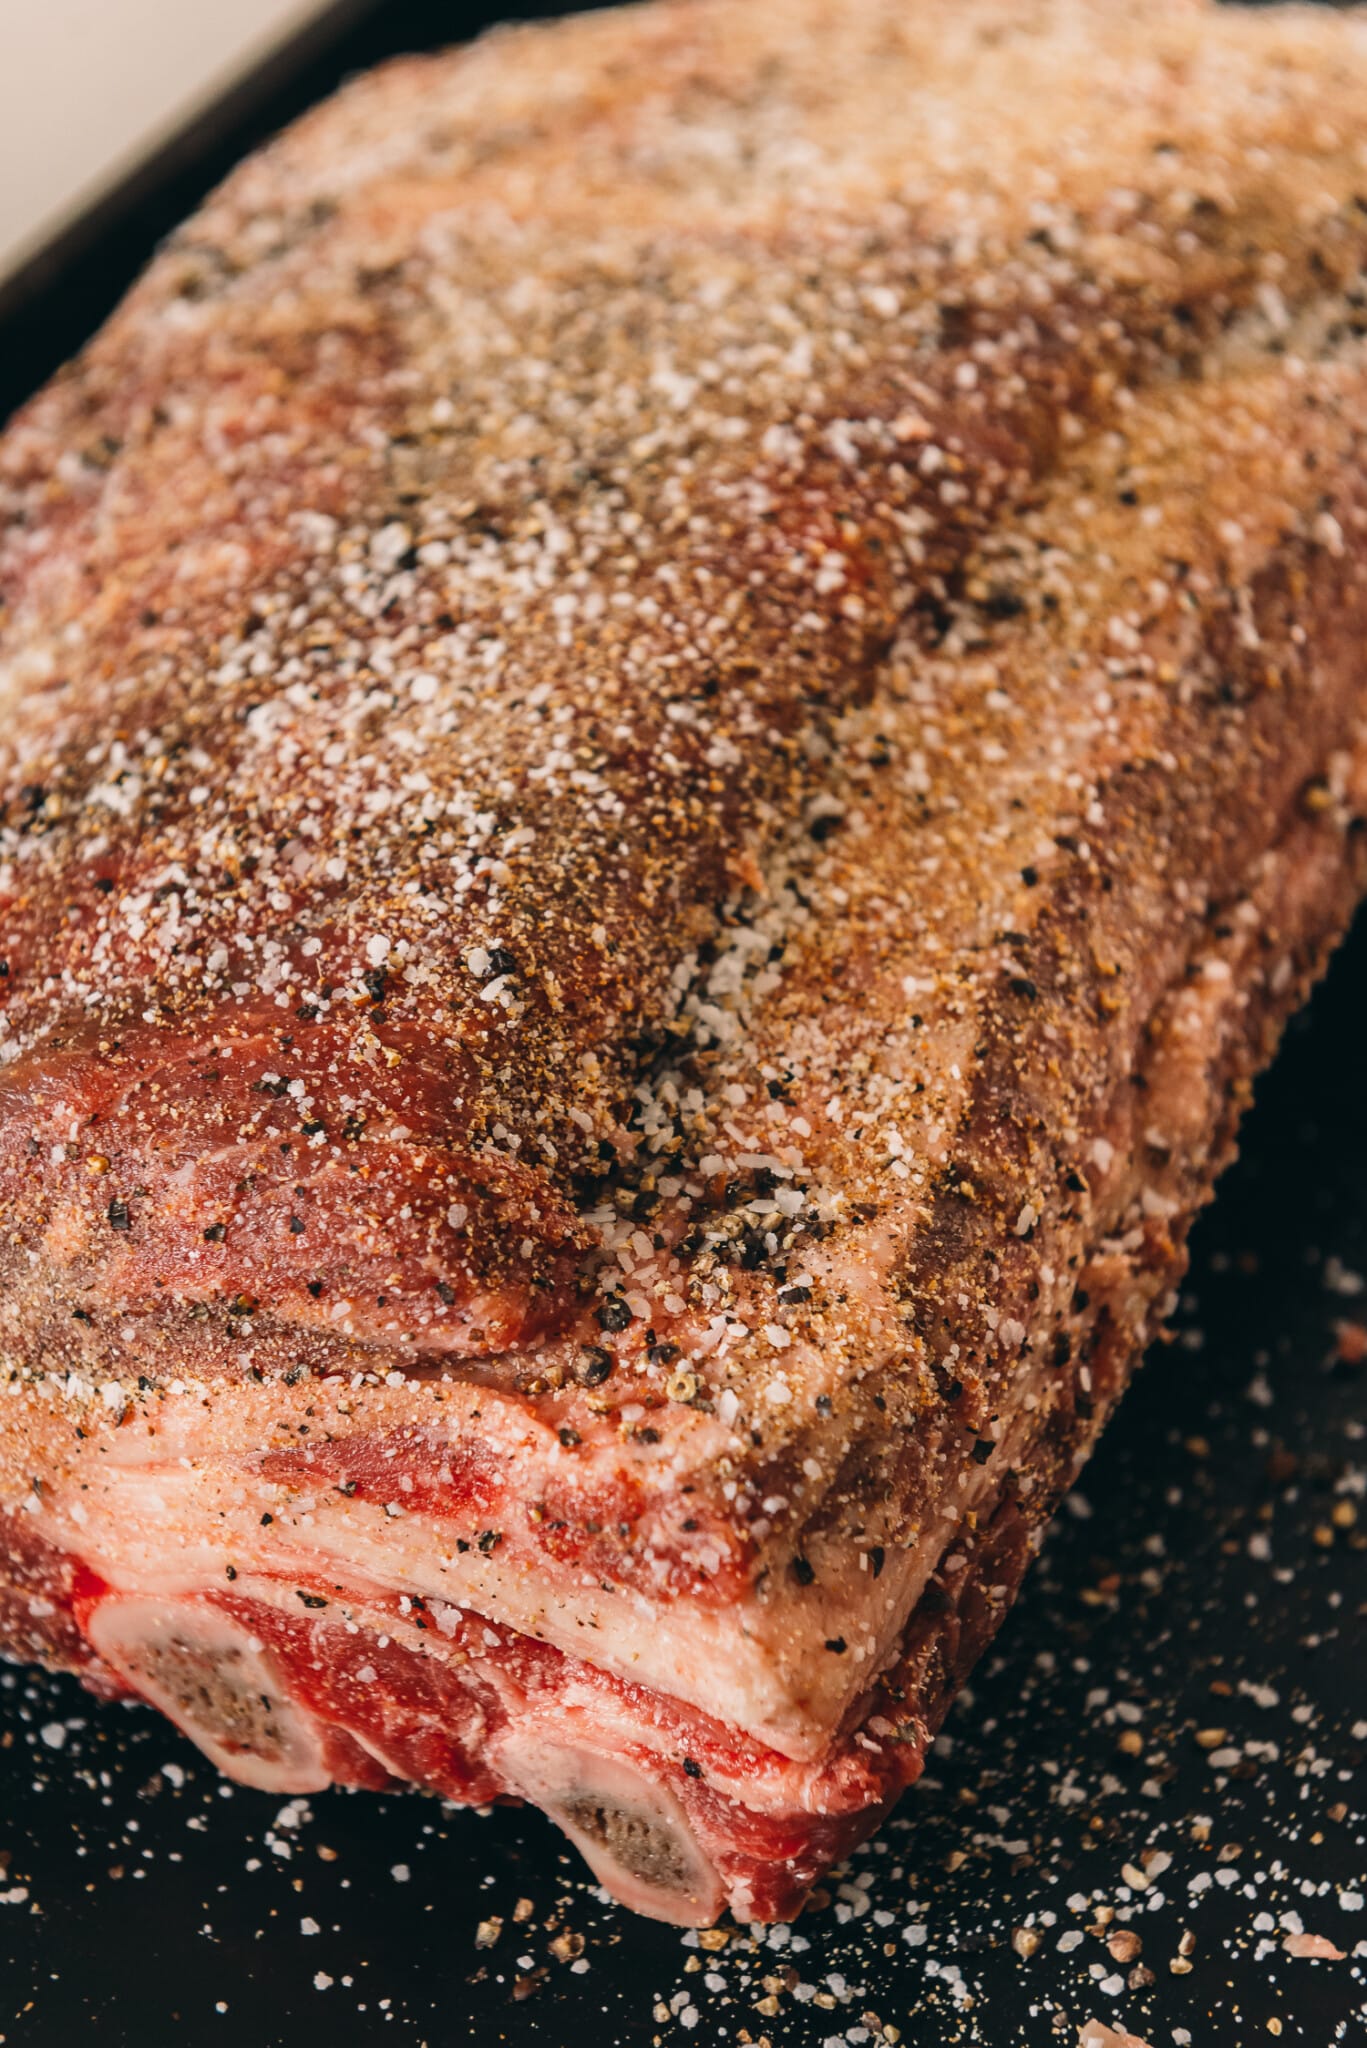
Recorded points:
(58, 298)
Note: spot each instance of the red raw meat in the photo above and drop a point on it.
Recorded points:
(683, 704)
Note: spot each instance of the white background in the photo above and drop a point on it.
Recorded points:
(90, 87)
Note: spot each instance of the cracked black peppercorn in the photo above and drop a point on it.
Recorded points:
(594, 1367)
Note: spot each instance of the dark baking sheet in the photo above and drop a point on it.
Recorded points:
(1182, 1683)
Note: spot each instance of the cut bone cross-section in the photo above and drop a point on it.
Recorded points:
(218, 1684)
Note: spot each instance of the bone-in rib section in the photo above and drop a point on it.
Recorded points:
(655, 806)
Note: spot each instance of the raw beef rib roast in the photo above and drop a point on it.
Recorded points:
(682, 705)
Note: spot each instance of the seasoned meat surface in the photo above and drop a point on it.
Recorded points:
(683, 705)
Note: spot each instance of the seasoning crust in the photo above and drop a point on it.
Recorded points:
(682, 708)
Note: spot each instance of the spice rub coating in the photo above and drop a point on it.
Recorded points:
(633, 673)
